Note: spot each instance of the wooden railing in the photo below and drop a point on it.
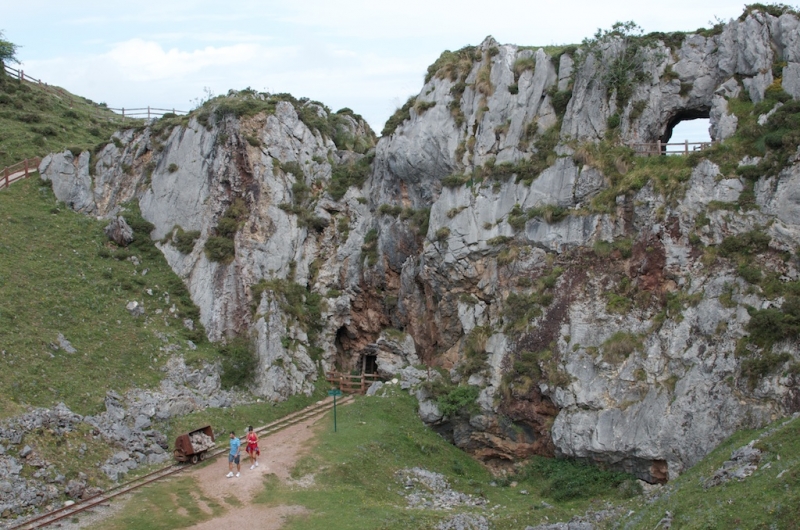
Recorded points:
(659, 148)
(352, 384)
(19, 171)
(145, 113)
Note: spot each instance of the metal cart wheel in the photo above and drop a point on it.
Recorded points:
(195, 459)
(202, 456)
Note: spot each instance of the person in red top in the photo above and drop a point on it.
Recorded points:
(252, 446)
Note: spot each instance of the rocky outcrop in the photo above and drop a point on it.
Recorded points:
(30, 477)
(598, 307)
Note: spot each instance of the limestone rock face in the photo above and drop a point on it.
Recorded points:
(70, 177)
(502, 235)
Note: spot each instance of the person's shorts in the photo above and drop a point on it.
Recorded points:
(233, 459)
(253, 449)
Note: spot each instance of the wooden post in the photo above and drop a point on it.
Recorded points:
(686, 147)
(148, 113)
(658, 146)
(123, 112)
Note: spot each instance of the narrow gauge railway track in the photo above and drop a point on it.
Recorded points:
(40, 521)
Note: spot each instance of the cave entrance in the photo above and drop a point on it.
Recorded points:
(686, 132)
(344, 345)
(369, 364)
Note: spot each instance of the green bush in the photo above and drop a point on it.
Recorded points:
(459, 400)
(220, 249)
(390, 209)
(455, 180)
(239, 362)
(172, 168)
(746, 243)
(184, 241)
(370, 246)
(755, 369)
(421, 106)
(453, 65)
(297, 301)
(523, 64)
(560, 100)
(346, 175)
(771, 325)
(620, 345)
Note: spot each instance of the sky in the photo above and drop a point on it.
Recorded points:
(368, 55)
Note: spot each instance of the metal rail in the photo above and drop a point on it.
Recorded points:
(316, 410)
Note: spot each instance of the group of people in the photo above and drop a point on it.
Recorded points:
(252, 450)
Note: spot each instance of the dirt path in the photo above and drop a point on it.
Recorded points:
(279, 454)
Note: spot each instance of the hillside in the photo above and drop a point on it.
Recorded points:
(62, 277)
(36, 120)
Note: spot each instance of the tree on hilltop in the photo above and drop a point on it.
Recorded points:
(8, 51)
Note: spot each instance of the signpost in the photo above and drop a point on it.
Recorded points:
(335, 392)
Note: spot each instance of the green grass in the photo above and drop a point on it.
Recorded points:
(173, 504)
(760, 501)
(59, 274)
(35, 122)
(354, 475)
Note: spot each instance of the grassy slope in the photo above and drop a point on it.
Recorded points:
(35, 121)
(355, 485)
(761, 501)
(53, 279)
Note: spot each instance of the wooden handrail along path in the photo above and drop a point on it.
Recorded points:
(19, 171)
(352, 384)
(680, 148)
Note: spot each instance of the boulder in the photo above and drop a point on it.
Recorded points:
(119, 231)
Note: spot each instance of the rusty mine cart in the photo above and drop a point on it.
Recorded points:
(192, 447)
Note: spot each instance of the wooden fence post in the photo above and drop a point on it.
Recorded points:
(658, 146)
(686, 147)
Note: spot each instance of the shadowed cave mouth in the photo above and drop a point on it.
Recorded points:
(687, 125)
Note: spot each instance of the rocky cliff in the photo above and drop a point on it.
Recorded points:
(580, 300)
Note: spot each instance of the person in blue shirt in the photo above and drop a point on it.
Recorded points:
(233, 456)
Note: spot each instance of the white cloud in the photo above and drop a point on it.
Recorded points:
(148, 61)
(366, 55)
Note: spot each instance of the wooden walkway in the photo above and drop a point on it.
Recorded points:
(19, 171)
